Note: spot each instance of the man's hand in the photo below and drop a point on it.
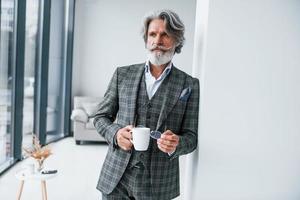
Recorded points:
(123, 138)
(168, 142)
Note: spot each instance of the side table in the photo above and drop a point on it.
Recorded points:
(23, 175)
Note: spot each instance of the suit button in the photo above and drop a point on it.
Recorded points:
(142, 156)
(148, 116)
(149, 105)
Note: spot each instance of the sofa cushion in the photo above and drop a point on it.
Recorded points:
(90, 107)
(79, 115)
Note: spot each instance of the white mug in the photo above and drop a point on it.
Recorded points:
(140, 138)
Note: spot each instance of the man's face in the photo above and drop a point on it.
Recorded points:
(161, 46)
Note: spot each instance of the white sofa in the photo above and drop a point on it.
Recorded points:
(84, 108)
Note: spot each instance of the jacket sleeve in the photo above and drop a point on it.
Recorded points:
(188, 138)
(107, 112)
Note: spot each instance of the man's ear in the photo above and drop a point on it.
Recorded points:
(176, 46)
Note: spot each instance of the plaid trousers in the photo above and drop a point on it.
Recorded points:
(134, 184)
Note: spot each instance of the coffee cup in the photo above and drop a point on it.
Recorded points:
(140, 138)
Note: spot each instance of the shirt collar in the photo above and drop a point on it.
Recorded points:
(164, 73)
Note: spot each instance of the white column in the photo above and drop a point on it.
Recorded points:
(192, 160)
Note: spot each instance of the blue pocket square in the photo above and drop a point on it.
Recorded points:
(185, 94)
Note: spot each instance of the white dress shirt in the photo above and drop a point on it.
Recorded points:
(152, 84)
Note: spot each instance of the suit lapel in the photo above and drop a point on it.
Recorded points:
(173, 90)
(132, 83)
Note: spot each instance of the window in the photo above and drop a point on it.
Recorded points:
(31, 44)
(6, 78)
(56, 71)
(35, 73)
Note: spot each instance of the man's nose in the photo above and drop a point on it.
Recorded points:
(158, 40)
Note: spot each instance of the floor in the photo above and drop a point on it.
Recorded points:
(78, 170)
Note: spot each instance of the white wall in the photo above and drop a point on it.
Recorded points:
(107, 35)
(249, 143)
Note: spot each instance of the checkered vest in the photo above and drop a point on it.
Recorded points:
(147, 114)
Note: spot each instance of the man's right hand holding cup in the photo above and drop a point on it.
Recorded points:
(124, 135)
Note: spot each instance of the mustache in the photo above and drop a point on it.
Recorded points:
(159, 47)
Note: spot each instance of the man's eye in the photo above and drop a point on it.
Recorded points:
(165, 35)
(152, 34)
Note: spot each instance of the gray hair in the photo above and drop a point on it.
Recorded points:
(174, 26)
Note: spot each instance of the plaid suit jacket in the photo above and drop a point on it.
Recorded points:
(179, 112)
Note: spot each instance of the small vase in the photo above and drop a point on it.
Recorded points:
(39, 166)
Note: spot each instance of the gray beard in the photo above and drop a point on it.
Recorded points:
(160, 58)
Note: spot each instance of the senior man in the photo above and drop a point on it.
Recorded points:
(153, 94)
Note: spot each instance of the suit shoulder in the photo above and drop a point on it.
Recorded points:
(124, 71)
(132, 67)
(188, 77)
